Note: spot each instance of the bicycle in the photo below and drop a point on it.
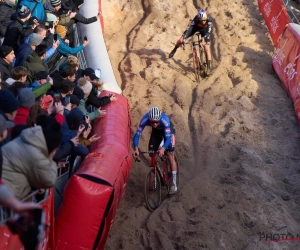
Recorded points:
(156, 179)
(199, 65)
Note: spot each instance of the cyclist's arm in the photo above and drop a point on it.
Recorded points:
(191, 26)
(144, 122)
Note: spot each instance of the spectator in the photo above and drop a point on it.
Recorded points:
(36, 7)
(34, 62)
(27, 31)
(52, 6)
(97, 86)
(32, 167)
(72, 61)
(7, 56)
(41, 30)
(67, 73)
(8, 108)
(35, 111)
(4, 126)
(86, 88)
(13, 31)
(42, 83)
(16, 87)
(18, 74)
(26, 100)
(16, 131)
(67, 88)
(6, 10)
(27, 49)
(4, 85)
(63, 48)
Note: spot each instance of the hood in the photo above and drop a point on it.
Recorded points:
(34, 58)
(2, 62)
(34, 136)
(48, 6)
(8, 3)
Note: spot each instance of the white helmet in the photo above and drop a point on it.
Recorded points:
(202, 15)
(154, 114)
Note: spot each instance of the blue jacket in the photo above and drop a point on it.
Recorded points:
(23, 52)
(39, 10)
(65, 49)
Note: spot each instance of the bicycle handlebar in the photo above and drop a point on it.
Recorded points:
(137, 159)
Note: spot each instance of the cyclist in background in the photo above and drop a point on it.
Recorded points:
(162, 130)
(202, 23)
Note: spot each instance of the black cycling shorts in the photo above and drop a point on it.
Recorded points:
(157, 135)
(193, 29)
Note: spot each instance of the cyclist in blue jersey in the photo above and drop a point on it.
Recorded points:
(202, 23)
(162, 132)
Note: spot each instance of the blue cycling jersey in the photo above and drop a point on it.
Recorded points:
(164, 124)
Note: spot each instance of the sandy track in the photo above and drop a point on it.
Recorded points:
(237, 135)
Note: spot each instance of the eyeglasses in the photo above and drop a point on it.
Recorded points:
(154, 122)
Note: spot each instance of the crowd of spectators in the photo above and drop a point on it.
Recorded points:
(44, 116)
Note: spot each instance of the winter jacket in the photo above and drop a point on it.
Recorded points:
(63, 19)
(22, 115)
(57, 79)
(25, 33)
(34, 64)
(13, 32)
(39, 10)
(23, 52)
(63, 151)
(93, 115)
(5, 69)
(5, 12)
(40, 90)
(97, 101)
(26, 163)
(65, 49)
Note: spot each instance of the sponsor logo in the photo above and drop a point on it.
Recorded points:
(267, 8)
(165, 122)
(168, 130)
(173, 140)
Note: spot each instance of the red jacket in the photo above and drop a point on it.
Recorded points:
(21, 117)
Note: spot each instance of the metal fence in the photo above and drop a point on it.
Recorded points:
(294, 13)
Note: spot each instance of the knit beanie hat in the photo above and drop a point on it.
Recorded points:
(78, 92)
(50, 17)
(34, 39)
(51, 130)
(73, 121)
(55, 3)
(86, 88)
(61, 30)
(26, 97)
(23, 11)
(5, 50)
(8, 102)
(77, 2)
(74, 100)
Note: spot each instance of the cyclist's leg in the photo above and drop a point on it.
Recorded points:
(208, 53)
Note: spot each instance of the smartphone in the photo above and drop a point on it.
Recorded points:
(57, 97)
(67, 100)
(55, 37)
(85, 38)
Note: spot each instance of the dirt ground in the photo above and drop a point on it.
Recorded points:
(237, 136)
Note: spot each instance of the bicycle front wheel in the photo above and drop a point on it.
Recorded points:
(196, 67)
(152, 190)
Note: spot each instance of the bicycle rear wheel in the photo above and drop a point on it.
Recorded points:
(152, 190)
(196, 65)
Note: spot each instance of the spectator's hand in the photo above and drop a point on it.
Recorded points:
(67, 41)
(51, 155)
(68, 106)
(51, 30)
(55, 44)
(102, 112)
(113, 98)
(75, 141)
(80, 129)
(59, 108)
(73, 14)
(87, 132)
(94, 138)
(50, 80)
(85, 43)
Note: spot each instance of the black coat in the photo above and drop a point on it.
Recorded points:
(13, 32)
(5, 69)
(57, 79)
(5, 12)
(97, 101)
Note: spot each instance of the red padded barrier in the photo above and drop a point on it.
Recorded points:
(93, 194)
(275, 17)
(286, 63)
(10, 241)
